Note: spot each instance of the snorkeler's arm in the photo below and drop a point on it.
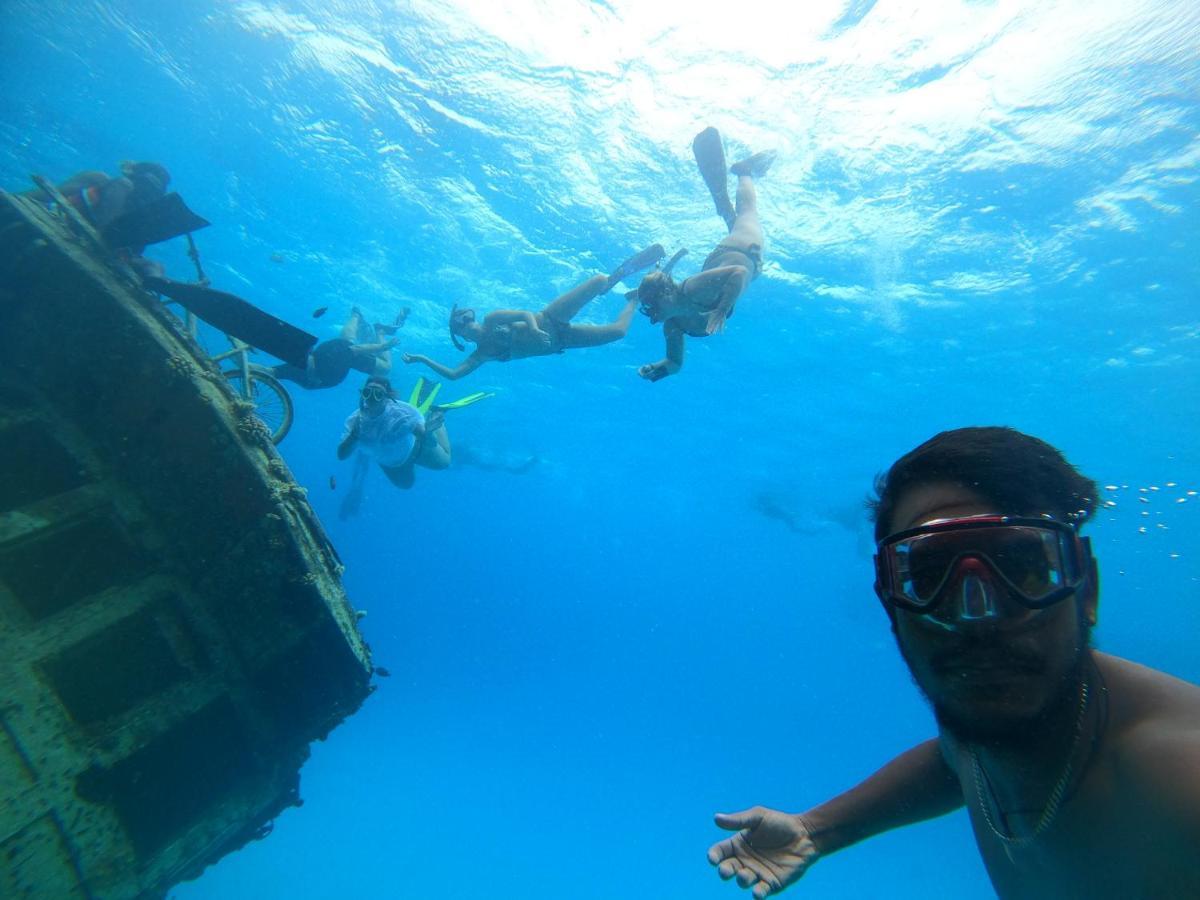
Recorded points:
(674, 359)
(468, 365)
(772, 849)
(915, 786)
(724, 285)
(516, 318)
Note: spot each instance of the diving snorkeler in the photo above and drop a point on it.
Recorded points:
(397, 435)
(698, 306)
(361, 347)
(506, 334)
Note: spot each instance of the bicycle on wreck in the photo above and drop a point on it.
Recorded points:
(255, 384)
(251, 382)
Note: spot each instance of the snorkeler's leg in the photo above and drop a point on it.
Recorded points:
(288, 372)
(401, 476)
(350, 331)
(383, 330)
(566, 307)
(595, 335)
(353, 500)
(746, 229)
(373, 359)
(435, 449)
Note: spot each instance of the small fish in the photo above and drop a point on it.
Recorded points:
(277, 257)
(320, 311)
(382, 672)
(333, 482)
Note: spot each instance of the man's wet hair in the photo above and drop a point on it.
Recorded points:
(1020, 474)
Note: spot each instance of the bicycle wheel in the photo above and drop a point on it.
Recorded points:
(272, 404)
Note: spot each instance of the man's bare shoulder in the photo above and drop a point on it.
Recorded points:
(1140, 692)
(1154, 737)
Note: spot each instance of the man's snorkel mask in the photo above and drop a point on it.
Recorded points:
(459, 318)
(656, 286)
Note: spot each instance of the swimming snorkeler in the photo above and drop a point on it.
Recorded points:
(397, 435)
(506, 334)
(362, 347)
(698, 306)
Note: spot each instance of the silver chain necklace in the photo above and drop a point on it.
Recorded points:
(1053, 802)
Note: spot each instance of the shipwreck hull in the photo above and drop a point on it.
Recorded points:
(173, 630)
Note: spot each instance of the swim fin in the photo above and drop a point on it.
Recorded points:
(466, 401)
(239, 318)
(165, 218)
(422, 399)
(642, 260)
(755, 166)
(710, 158)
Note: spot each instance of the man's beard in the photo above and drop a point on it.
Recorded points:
(981, 726)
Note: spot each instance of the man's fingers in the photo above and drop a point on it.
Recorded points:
(747, 818)
(719, 851)
(746, 877)
(728, 868)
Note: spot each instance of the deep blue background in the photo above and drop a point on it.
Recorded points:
(982, 214)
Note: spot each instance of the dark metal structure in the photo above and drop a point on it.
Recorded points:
(173, 630)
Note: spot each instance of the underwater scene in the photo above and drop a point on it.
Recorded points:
(632, 584)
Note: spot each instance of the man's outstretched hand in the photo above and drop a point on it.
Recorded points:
(770, 851)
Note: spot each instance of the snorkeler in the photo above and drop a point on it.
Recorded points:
(101, 199)
(130, 211)
(698, 306)
(506, 334)
(397, 435)
(364, 348)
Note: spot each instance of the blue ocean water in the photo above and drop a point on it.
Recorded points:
(982, 213)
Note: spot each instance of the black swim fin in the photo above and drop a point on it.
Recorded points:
(710, 157)
(239, 318)
(642, 260)
(165, 218)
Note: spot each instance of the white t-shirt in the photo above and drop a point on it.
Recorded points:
(390, 436)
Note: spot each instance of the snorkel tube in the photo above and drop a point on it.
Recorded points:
(679, 254)
(454, 337)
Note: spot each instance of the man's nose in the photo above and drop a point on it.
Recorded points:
(973, 592)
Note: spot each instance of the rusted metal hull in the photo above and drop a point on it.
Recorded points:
(173, 630)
